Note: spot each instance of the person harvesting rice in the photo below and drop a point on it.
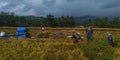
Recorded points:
(110, 39)
(76, 36)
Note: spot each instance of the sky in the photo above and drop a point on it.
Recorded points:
(62, 7)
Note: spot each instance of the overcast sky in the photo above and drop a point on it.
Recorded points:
(62, 7)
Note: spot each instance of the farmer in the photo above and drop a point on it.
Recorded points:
(76, 37)
(89, 32)
(110, 39)
(42, 28)
(28, 34)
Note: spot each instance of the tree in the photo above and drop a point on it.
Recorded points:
(50, 20)
(115, 23)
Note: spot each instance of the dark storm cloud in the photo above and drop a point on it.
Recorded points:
(112, 4)
(70, 0)
(49, 2)
(62, 7)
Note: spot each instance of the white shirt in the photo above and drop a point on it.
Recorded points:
(43, 28)
(2, 33)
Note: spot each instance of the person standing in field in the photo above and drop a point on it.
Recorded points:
(110, 39)
(89, 32)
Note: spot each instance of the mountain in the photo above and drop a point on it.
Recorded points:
(86, 18)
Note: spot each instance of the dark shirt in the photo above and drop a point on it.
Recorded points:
(110, 37)
(89, 31)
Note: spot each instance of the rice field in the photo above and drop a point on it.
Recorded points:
(48, 46)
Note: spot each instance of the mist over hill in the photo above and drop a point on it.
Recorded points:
(87, 17)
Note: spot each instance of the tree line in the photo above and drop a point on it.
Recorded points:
(104, 22)
(10, 19)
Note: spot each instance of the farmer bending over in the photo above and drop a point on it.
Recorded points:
(110, 39)
(76, 37)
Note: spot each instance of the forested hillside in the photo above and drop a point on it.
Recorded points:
(10, 19)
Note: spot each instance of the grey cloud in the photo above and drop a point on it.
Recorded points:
(111, 5)
(70, 0)
(49, 2)
(63, 7)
